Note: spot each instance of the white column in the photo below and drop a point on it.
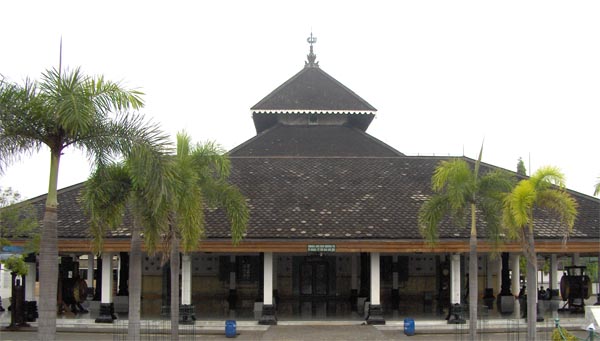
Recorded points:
(107, 278)
(268, 279)
(553, 270)
(455, 279)
(30, 282)
(576, 259)
(119, 261)
(232, 274)
(274, 272)
(90, 273)
(395, 272)
(186, 279)
(516, 274)
(375, 287)
(354, 272)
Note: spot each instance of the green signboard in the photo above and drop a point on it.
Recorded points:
(321, 247)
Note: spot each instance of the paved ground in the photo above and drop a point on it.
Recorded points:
(309, 333)
(84, 328)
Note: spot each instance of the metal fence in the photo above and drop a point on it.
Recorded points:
(516, 330)
(483, 325)
(461, 330)
(154, 330)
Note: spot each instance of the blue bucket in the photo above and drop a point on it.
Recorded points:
(230, 327)
(409, 327)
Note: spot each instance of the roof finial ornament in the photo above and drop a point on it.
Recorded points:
(311, 56)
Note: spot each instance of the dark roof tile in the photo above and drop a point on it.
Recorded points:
(332, 198)
(317, 140)
(313, 89)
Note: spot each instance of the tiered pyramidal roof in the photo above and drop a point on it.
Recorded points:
(313, 114)
(312, 172)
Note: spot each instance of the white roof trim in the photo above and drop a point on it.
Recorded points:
(317, 112)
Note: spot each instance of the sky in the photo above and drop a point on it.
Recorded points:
(522, 77)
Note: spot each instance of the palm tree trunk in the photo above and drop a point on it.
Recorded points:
(531, 285)
(49, 257)
(473, 277)
(135, 283)
(174, 287)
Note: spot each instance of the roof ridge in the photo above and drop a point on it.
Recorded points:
(520, 177)
(271, 94)
(347, 89)
(59, 191)
(337, 157)
(376, 140)
(250, 140)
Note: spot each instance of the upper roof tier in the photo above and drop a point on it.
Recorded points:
(312, 91)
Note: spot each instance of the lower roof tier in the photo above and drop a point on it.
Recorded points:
(335, 198)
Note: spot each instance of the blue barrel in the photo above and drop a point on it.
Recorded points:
(409, 327)
(230, 328)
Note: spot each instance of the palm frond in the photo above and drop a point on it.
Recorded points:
(79, 107)
(231, 200)
(545, 188)
(597, 188)
(456, 179)
(190, 218)
(76, 100)
(210, 160)
(430, 215)
(152, 172)
(109, 96)
(521, 203)
(66, 100)
(496, 184)
(109, 139)
(105, 198)
(184, 142)
(546, 176)
(561, 204)
(21, 129)
(155, 222)
(491, 210)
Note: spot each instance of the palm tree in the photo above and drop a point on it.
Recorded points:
(201, 173)
(459, 188)
(66, 109)
(201, 181)
(137, 185)
(545, 189)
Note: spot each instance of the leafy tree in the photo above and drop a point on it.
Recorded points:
(459, 189)
(544, 189)
(597, 189)
(521, 170)
(592, 270)
(522, 266)
(62, 110)
(200, 180)
(138, 184)
(17, 219)
(16, 264)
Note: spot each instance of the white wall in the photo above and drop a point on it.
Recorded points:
(4, 286)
